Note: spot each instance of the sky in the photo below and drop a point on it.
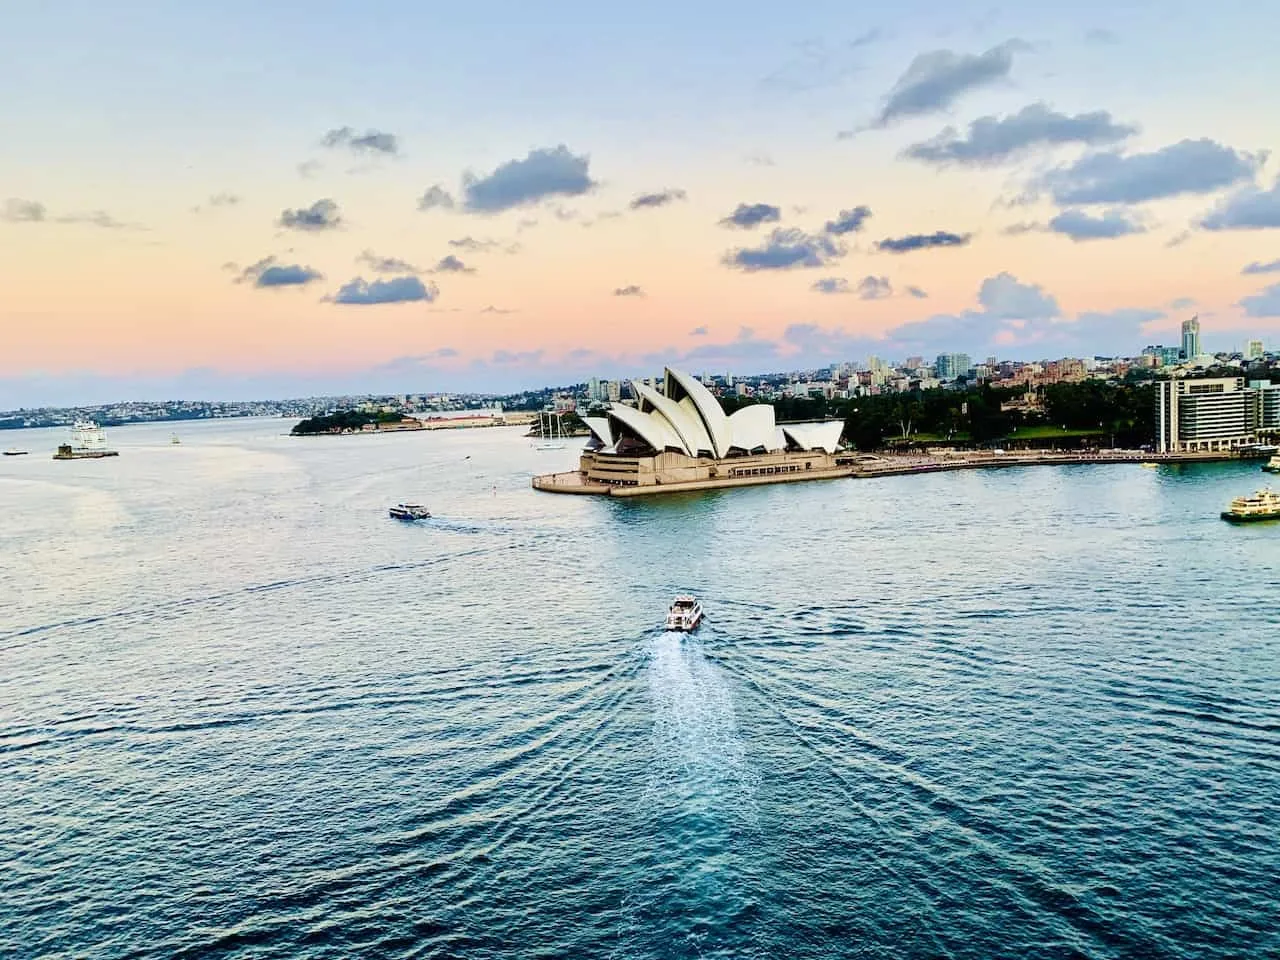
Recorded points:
(244, 200)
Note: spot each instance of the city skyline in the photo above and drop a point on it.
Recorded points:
(392, 201)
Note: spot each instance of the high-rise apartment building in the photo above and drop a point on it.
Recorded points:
(953, 365)
(1253, 350)
(1214, 413)
(1191, 338)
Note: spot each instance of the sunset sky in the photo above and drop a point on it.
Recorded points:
(241, 200)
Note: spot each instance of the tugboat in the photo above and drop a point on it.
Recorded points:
(410, 512)
(88, 442)
(1263, 505)
(685, 614)
(1272, 465)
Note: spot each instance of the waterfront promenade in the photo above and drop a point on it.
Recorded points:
(865, 466)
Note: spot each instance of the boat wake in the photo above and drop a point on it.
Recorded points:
(699, 756)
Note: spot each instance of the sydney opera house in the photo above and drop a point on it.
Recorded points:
(681, 436)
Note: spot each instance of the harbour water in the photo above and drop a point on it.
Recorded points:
(1024, 713)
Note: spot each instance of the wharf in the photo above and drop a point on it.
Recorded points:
(863, 466)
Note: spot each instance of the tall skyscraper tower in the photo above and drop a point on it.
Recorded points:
(1191, 338)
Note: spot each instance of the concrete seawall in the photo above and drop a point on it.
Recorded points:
(893, 466)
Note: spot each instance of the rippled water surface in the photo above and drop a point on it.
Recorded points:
(1014, 714)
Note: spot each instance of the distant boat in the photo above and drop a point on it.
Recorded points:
(15, 452)
(685, 614)
(1272, 465)
(88, 442)
(410, 512)
(550, 431)
(173, 438)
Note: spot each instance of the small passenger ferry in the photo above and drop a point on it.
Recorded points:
(685, 614)
(410, 511)
(1263, 505)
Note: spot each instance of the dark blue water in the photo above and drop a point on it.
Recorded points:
(1014, 714)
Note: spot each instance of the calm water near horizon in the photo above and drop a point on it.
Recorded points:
(1009, 714)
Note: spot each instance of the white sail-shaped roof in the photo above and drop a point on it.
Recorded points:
(685, 417)
(656, 431)
(706, 406)
(600, 430)
(752, 429)
(683, 421)
(815, 436)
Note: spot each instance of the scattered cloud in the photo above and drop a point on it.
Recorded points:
(1079, 225)
(360, 292)
(786, 250)
(917, 293)
(492, 309)
(1265, 303)
(309, 168)
(1182, 303)
(1004, 297)
(1189, 166)
(923, 241)
(1021, 319)
(543, 173)
(269, 272)
(759, 158)
(819, 64)
(659, 199)
(1272, 266)
(874, 288)
(516, 356)
(1248, 209)
(1101, 35)
(436, 197)
(747, 216)
(631, 290)
(98, 218)
(370, 142)
(451, 264)
(830, 285)
(937, 79)
(16, 210)
(385, 264)
(991, 140)
(484, 245)
(321, 215)
(218, 200)
(698, 332)
(848, 221)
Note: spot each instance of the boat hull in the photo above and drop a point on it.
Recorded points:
(408, 516)
(1230, 517)
(684, 624)
(85, 454)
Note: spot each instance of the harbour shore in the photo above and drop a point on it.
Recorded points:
(868, 466)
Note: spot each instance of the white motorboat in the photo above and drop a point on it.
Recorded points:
(685, 614)
(410, 511)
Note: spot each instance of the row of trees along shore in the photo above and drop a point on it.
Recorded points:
(341, 421)
(1092, 413)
